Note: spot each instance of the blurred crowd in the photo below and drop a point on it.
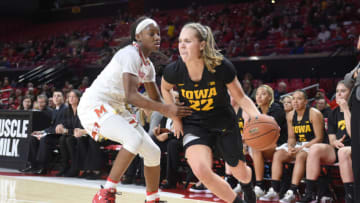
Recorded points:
(258, 28)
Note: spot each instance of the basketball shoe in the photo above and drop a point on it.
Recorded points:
(105, 195)
(271, 195)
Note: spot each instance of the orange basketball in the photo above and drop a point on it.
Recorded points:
(261, 132)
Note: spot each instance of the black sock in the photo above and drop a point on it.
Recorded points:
(310, 186)
(247, 188)
(275, 184)
(249, 194)
(294, 188)
(231, 180)
(349, 192)
(261, 184)
(238, 199)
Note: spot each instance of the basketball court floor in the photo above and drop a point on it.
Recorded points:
(19, 188)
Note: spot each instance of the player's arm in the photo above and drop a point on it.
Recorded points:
(166, 89)
(153, 91)
(240, 97)
(291, 134)
(317, 120)
(135, 98)
(347, 117)
(347, 114)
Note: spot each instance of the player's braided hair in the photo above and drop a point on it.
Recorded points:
(129, 40)
(211, 56)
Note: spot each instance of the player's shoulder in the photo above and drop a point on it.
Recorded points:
(225, 66)
(175, 66)
(314, 110)
(128, 52)
(290, 115)
(225, 62)
(315, 113)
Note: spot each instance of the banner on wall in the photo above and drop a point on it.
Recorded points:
(15, 129)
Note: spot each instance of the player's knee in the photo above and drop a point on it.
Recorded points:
(201, 171)
(279, 156)
(152, 156)
(314, 150)
(343, 154)
(301, 157)
(134, 144)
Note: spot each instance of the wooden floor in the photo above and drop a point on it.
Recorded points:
(15, 189)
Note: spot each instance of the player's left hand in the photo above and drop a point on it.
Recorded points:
(339, 143)
(178, 128)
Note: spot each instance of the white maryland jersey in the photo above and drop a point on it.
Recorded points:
(108, 86)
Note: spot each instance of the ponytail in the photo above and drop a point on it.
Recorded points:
(211, 56)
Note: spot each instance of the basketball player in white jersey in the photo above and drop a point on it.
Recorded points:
(103, 110)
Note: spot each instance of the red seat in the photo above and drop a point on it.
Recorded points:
(296, 83)
(327, 84)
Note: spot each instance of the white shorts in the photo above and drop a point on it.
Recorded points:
(298, 144)
(101, 120)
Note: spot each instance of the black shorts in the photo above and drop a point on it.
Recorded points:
(336, 155)
(227, 142)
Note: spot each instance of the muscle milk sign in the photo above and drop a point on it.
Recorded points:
(12, 130)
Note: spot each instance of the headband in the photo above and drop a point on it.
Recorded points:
(143, 24)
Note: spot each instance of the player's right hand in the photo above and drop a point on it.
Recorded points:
(339, 143)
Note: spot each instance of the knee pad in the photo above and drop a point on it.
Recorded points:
(152, 156)
(133, 144)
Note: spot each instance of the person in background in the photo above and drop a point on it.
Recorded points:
(267, 105)
(280, 90)
(327, 154)
(247, 87)
(42, 102)
(320, 93)
(287, 103)
(75, 145)
(352, 81)
(305, 128)
(42, 142)
(26, 104)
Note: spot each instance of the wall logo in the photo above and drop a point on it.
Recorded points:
(11, 131)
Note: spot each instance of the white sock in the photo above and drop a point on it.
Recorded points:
(152, 196)
(110, 183)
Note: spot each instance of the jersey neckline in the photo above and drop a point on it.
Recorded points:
(145, 61)
(187, 72)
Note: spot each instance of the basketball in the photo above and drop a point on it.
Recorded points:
(261, 132)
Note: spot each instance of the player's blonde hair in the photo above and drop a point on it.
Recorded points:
(286, 96)
(270, 91)
(211, 56)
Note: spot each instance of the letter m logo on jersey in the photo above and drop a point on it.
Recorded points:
(100, 112)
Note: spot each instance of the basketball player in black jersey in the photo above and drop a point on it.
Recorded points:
(326, 154)
(352, 81)
(305, 128)
(267, 105)
(203, 77)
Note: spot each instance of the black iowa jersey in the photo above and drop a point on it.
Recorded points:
(208, 98)
(303, 129)
(240, 120)
(336, 125)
